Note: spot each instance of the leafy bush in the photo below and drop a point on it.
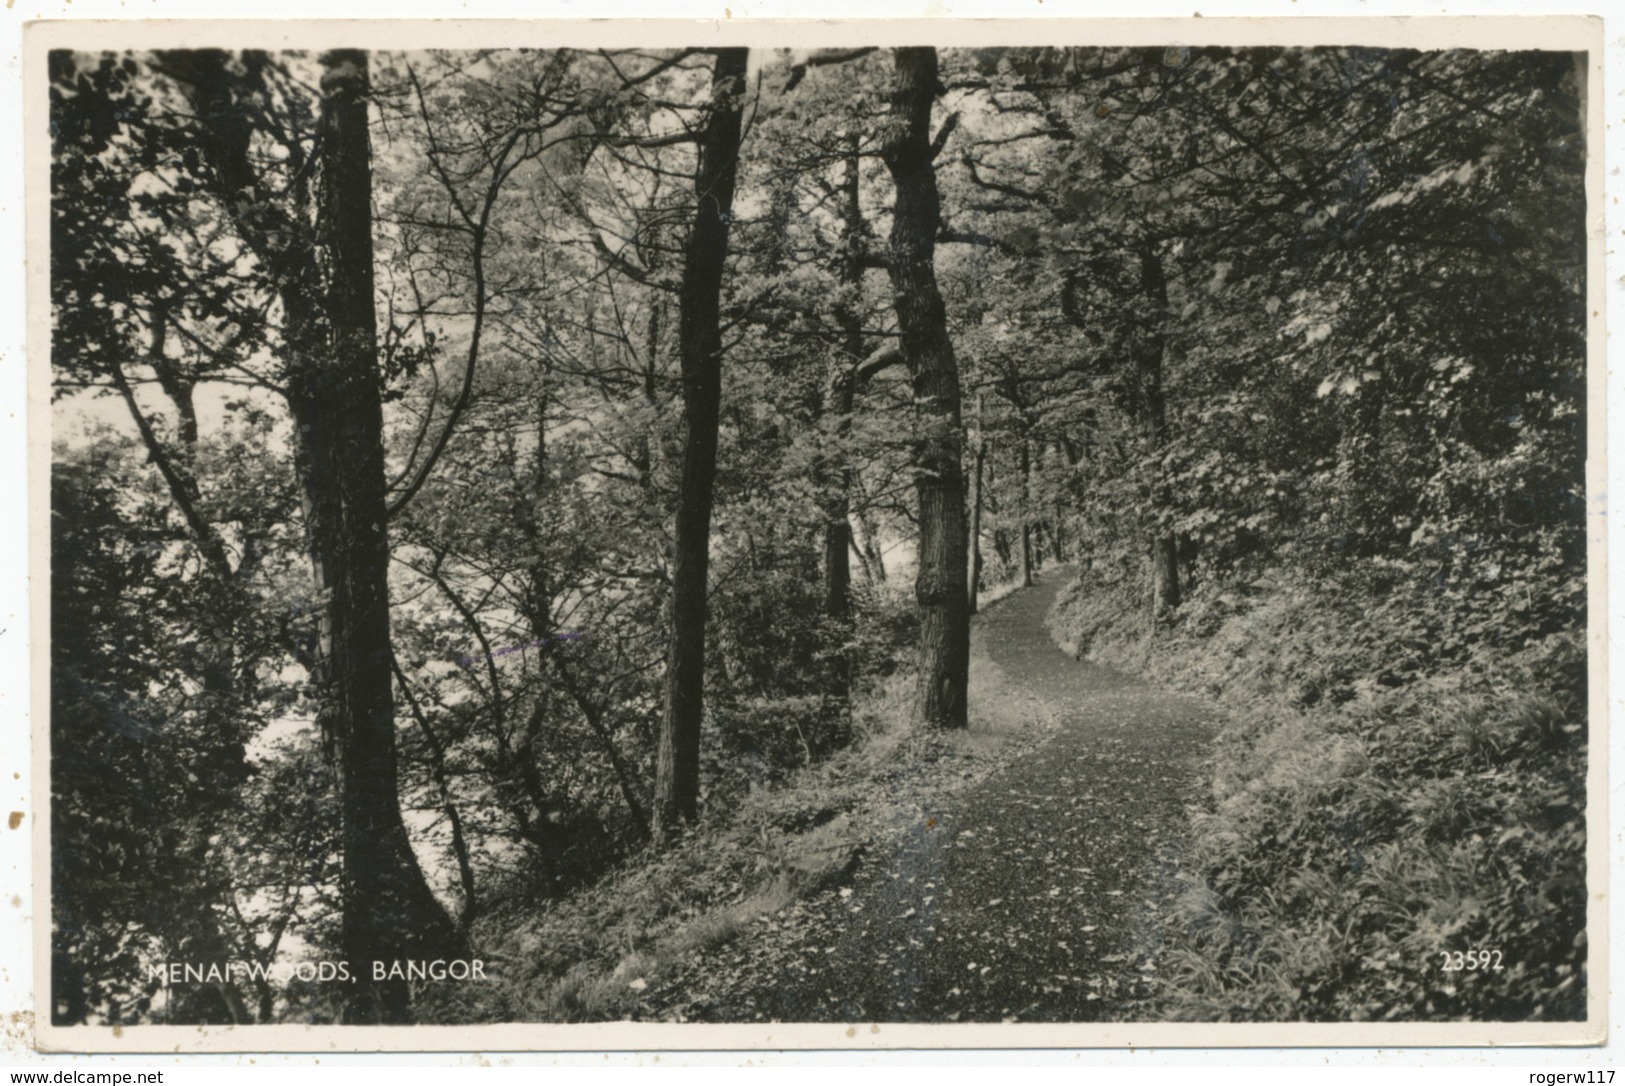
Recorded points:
(1391, 791)
(755, 742)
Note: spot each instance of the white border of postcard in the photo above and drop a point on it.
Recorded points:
(1565, 32)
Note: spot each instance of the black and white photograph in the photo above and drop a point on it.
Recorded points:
(990, 535)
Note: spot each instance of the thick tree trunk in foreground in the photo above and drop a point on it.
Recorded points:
(329, 331)
(389, 911)
(939, 589)
(677, 781)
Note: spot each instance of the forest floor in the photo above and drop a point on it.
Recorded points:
(1037, 894)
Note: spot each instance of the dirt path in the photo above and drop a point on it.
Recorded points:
(1037, 898)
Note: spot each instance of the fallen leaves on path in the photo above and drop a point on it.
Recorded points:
(1038, 897)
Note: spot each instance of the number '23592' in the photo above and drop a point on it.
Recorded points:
(1455, 961)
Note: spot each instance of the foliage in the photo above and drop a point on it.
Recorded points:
(1389, 789)
(1300, 329)
(141, 721)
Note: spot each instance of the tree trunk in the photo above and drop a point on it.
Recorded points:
(1001, 546)
(836, 508)
(837, 482)
(643, 460)
(389, 911)
(1025, 467)
(332, 375)
(677, 781)
(975, 577)
(838, 531)
(838, 538)
(939, 588)
(863, 558)
(454, 818)
(874, 562)
(1058, 531)
(1165, 551)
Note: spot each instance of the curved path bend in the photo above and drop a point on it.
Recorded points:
(1037, 897)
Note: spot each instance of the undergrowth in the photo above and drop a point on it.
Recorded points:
(1389, 793)
(592, 955)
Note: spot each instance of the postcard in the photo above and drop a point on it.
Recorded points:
(839, 535)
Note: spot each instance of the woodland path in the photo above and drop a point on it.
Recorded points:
(1037, 897)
